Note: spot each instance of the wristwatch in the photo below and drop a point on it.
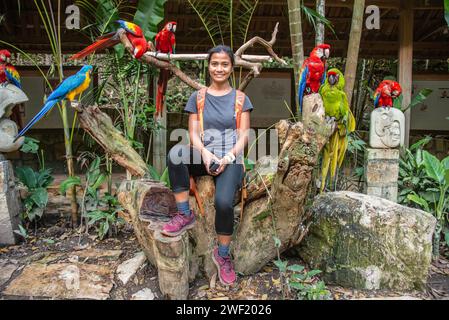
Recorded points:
(229, 157)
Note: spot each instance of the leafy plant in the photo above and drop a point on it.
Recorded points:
(36, 183)
(420, 97)
(22, 232)
(424, 180)
(307, 286)
(107, 219)
(96, 209)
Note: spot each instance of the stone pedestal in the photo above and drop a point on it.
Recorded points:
(9, 204)
(381, 173)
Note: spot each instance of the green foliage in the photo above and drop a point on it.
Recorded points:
(148, 16)
(106, 219)
(306, 285)
(417, 99)
(36, 183)
(446, 11)
(30, 145)
(22, 232)
(424, 181)
(413, 178)
(69, 183)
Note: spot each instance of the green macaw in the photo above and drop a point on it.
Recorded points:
(336, 106)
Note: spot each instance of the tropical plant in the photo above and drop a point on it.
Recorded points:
(307, 286)
(424, 182)
(436, 198)
(36, 183)
(107, 219)
(95, 207)
(412, 173)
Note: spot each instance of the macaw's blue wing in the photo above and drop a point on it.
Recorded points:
(67, 86)
(13, 76)
(302, 85)
(376, 100)
(48, 105)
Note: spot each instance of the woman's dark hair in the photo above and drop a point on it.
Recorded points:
(221, 48)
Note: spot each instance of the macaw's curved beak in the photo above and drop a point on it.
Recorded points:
(136, 51)
(332, 79)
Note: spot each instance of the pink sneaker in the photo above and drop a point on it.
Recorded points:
(178, 224)
(225, 268)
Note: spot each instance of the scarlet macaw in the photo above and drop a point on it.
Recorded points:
(165, 42)
(313, 72)
(134, 34)
(386, 92)
(336, 106)
(68, 89)
(8, 73)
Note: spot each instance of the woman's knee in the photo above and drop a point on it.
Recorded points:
(224, 203)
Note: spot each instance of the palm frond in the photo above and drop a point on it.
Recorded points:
(313, 17)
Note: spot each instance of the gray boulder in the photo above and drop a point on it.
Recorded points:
(366, 242)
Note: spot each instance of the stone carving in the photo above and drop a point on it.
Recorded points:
(387, 128)
(10, 96)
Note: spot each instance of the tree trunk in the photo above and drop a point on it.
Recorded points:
(320, 9)
(180, 259)
(294, 16)
(353, 47)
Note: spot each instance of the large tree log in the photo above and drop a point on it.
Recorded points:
(277, 211)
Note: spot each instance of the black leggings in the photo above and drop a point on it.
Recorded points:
(184, 161)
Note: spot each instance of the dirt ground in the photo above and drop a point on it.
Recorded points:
(55, 243)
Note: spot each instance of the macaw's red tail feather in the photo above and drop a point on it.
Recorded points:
(96, 46)
(161, 89)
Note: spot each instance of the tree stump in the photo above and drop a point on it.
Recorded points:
(275, 207)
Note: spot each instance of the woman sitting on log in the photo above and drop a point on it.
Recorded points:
(219, 123)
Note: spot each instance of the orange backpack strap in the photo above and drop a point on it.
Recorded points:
(238, 107)
(200, 101)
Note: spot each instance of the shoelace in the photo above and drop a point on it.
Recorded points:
(177, 220)
(227, 264)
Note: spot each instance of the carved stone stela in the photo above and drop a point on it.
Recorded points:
(387, 128)
(10, 96)
(387, 134)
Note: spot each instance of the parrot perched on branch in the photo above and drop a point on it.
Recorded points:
(68, 89)
(8, 73)
(386, 92)
(313, 72)
(336, 106)
(165, 42)
(134, 34)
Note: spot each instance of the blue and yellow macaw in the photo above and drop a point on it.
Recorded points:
(68, 89)
(336, 106)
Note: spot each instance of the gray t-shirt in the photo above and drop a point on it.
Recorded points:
(219, 121)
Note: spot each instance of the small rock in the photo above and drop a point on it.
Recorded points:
(129, 268)
(144, 294)
(7, 268)
(55, 231)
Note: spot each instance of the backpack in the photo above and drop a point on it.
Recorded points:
(238, 108)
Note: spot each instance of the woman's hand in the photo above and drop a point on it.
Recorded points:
(207, 159)
(227, 159)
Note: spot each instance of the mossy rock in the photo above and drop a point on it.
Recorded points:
(367, 242)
